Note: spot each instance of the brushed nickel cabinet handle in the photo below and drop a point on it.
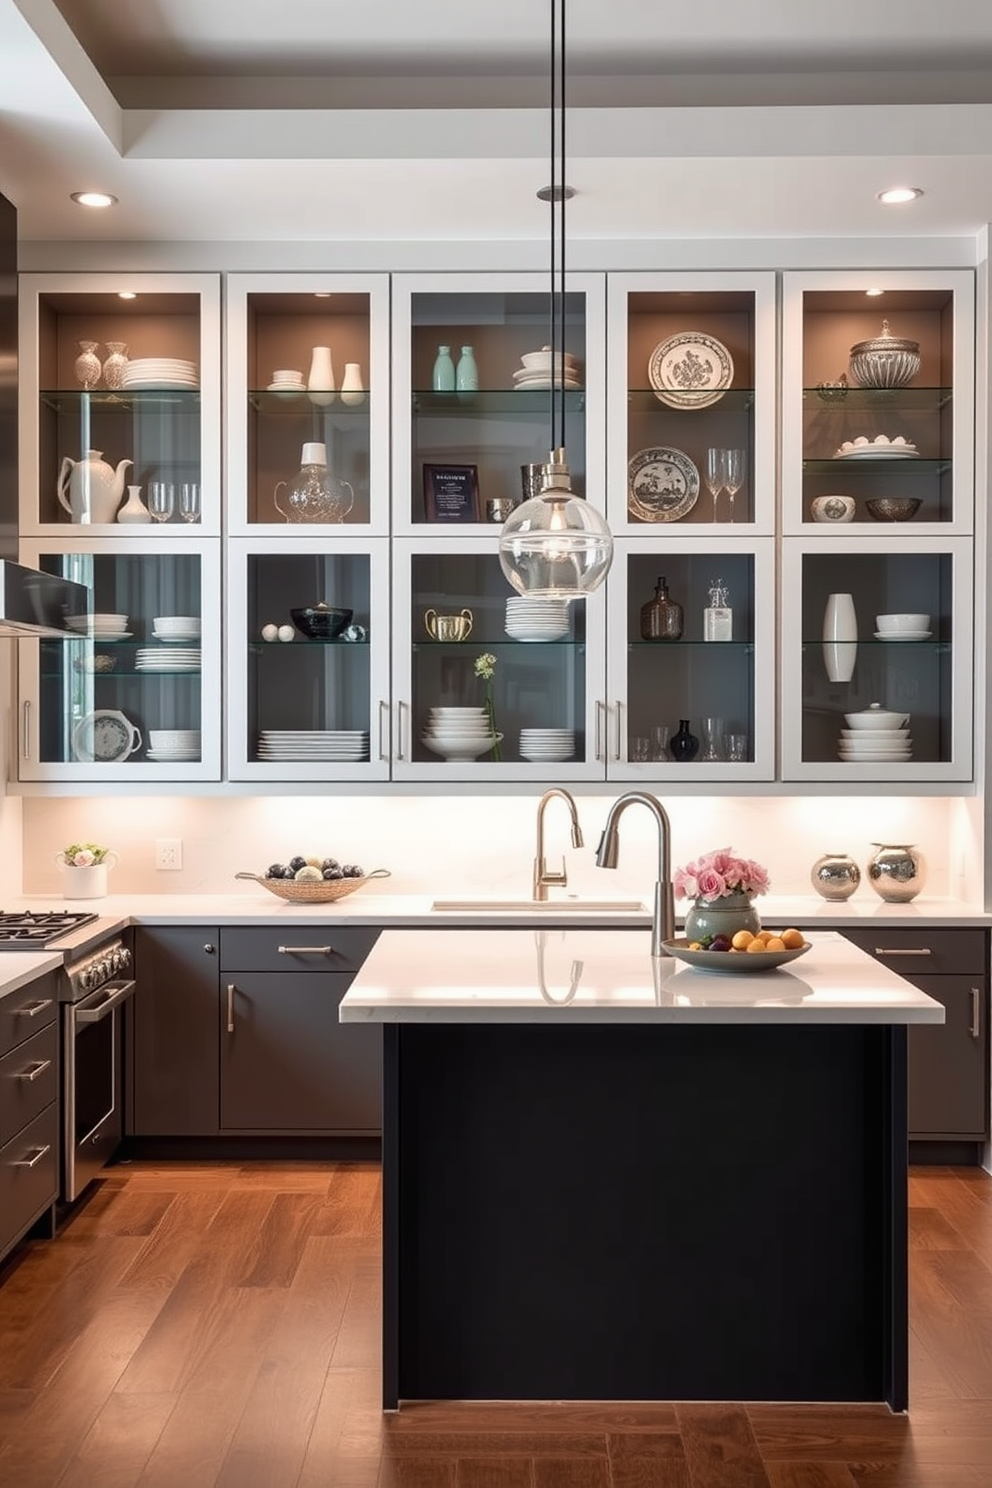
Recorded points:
(400, 716)
(903, 951)
(976, 1013)
(618, 753)
(39, 1069)
(230, 1007)
(383, 727)
(305, 950)
(598, 750)
(32, 1009)
(26, 730)
(32, 1162)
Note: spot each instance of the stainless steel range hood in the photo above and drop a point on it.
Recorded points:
(32, 603)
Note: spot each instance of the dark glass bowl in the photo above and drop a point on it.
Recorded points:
(321, 622)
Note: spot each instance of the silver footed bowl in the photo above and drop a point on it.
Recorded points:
(893, 508)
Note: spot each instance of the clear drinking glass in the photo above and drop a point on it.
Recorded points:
(733, 474)
(659, 741)
(640, 749)
(161, 500)
(737, 748)
(716, 474)
(714, 743)
(189, 501)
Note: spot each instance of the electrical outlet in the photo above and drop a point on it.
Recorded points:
(169, 853)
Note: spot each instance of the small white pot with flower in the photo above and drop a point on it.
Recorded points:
(85, 866)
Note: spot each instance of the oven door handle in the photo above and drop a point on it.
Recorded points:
(91, 1011)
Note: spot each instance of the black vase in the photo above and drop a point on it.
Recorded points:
(683, 746)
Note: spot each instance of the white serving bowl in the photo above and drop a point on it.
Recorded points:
(902, 622)
(875, 718)
(188, 624)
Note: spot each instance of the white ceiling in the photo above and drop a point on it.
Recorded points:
(364, 120)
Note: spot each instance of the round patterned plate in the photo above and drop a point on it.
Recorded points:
(690, 370)
(662, 485)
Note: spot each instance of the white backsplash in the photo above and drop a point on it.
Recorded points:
(468, 844)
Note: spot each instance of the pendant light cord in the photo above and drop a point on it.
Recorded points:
(558, 195)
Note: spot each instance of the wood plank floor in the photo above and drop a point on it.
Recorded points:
(217, 1326)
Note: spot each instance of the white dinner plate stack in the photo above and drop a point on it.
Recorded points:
(536, 370)
(176, 629)
(160, 372)
(173, 745)
(547, 744)
(343, 746)
(171, 659)
(458, 733)
(102, 627)
(536, 619)
(875, 746)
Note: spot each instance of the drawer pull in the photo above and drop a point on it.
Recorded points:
(305, 950)
(903, 951)
(32, 1009)
(230, 1007)
(976, 1013)
(39, 1069)
(32, 1162)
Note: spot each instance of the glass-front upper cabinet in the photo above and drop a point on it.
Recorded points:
(308, 403)
(691, 660)
(308, 659)
(877, 659)
(135, 697)
(486, 684)
(691, 424)
(472, 395)
(878, 392)
(120, 405)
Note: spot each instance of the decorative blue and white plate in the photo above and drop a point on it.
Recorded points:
(662, 485)
(690, 370)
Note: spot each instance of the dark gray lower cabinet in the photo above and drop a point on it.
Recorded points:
(172, 1032)
(286, 1063)
(29, 1109)
(949, 1063)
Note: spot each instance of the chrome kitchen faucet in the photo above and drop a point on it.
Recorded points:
(608, 855)
(543, 879)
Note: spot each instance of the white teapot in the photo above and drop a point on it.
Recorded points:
(90, 489)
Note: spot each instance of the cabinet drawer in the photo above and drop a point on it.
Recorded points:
(324, 947)
(29, 1179)
(24, 1012)
(931, 951)
(28, 1080)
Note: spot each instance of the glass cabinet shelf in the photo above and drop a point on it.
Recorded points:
(73, 402)
(734, 400)
(291, 405)
(849, 399)
(532, 402)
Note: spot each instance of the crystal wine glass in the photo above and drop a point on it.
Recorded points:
(189, 501)
(161, 500)
(716, 477)
(733, 477)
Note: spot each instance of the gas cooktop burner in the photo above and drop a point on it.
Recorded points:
(21, 929)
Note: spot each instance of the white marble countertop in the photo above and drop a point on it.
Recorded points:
(609, 976)
(20, 967)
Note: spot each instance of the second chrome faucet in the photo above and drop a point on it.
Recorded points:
(543, 877)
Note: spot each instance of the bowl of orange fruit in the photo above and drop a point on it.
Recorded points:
(763, 950)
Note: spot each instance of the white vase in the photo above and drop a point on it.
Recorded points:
(352, 391)
(85, 883)
(840, 637)
(320, 379)
(134, 509)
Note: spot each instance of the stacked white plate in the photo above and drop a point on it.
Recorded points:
(158, 659)
(547, 743)
(536, 619)
(176, 628)
(173, 744)
(344, 746)
(875, 746)
(539, 376)
(160, 372)
(458, 733)
(103, 627)
(288, 382)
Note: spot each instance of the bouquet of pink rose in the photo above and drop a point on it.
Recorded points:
(717, 874)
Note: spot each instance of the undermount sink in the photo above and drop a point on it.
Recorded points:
(547, 906)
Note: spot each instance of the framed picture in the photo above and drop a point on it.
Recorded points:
(451, 493)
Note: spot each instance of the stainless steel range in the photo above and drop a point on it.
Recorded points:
(93, 990)
(34, 929)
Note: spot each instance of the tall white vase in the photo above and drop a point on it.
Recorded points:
(840, 637)
(320, 380)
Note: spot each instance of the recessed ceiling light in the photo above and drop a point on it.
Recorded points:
(322, 294)
(93, 198)
(873, 293)
(896, 195)
(126, 294)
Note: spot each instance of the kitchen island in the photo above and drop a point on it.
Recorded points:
(613, 1178)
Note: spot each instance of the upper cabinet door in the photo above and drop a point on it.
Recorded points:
(119, 422)
(878, 404)
(691, 425)
(308, 404)
(473, 397)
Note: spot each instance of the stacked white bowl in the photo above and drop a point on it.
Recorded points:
(536, 619)
(548, 744)
(173, 744)
(536, 370)
(176, 628)
(875, 736)
(102, 626)
(905, 626)
(288, 382)
(458, 733)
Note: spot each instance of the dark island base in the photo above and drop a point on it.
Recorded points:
(645, 1213)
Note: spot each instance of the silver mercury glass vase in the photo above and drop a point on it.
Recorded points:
(896, 871)
(835, 876)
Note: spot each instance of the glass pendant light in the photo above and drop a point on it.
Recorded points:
(556, 546)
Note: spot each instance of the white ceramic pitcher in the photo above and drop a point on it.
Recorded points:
(90, 489)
